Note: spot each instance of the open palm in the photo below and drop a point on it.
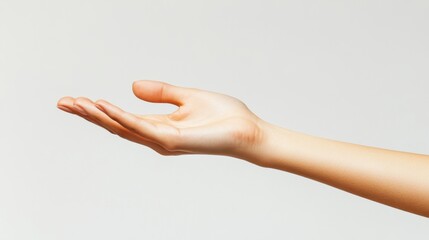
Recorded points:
(205, 122)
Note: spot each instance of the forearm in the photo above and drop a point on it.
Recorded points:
(398, 179)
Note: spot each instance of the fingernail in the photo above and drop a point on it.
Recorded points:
(65, 109)
(80, 110)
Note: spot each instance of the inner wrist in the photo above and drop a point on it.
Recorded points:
(270, 141)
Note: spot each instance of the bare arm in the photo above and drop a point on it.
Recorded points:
(398, 179)
(212, 123)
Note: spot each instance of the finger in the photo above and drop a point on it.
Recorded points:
(67, 104)
(129, 121)
(85, 108)
(101, 119)
(160, 92)
(105, 121)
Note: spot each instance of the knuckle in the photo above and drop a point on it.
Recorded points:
(101, 101)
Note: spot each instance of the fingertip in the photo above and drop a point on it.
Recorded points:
(134, 86)
(63, 100)
(82, 102)
(100, 103)
(66, 109)
(139, 83)
(146, 80)
(79, 101)
(66, 104)
(136, 82)
(99, 107)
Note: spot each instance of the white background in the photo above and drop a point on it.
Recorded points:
(354, 71)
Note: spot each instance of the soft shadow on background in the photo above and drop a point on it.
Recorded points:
(354, 71)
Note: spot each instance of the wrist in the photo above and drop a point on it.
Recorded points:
(271, 141)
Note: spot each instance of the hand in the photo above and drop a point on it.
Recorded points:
(205, 122)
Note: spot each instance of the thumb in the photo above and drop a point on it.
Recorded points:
(160, 92)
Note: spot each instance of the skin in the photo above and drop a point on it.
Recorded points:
(212, 123)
